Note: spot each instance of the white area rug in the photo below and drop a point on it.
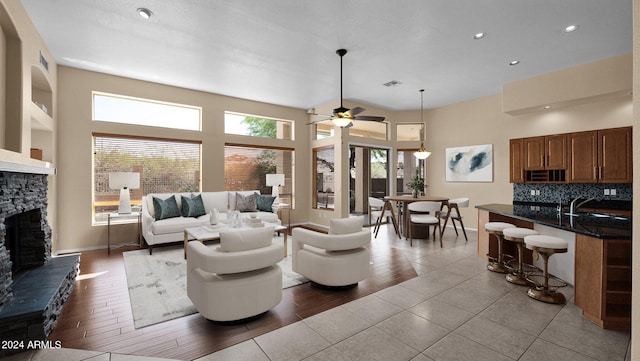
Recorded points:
(158, 283)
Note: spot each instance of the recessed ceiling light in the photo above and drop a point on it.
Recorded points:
(514, 62)
(547, 107)
(479, 36)
(571, 28)
(145, 13)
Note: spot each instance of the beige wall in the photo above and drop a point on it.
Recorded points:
(635, 311)
(20, 50)
(3, 81)
(478, 121)
(481, 121)
(74, 147)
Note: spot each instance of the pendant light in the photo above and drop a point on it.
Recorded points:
(422, 153)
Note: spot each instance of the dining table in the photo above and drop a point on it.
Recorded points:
(403, 201)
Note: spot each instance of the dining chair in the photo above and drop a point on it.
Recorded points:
(453, 213)
(375, 210)
(382, 209)
(424, 213)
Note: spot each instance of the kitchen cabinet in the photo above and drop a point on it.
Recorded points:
(543, 153)
(597, 156)
(600, 259)
(603, 281)
(488, 243)
(545, 159)
(516, 161)
(600, 156)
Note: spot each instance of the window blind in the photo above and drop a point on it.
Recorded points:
(165, 166)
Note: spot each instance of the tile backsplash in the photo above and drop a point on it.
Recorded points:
(554, 193)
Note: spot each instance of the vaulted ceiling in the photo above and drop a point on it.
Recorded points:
(283, 51)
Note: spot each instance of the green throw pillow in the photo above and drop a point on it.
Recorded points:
(167, 208)
(193, 207)
(264, 203)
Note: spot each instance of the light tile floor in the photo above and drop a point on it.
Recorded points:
(454, 310)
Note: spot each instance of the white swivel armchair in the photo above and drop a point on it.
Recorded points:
(237, 280)
(340, 258)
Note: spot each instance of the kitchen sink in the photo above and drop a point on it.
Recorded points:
(596, 215)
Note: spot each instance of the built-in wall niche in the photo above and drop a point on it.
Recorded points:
(41, 94)
(42, 145)
(41, 119)
(11, 74)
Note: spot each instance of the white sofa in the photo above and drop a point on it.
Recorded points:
(340, 258)
(238, 279)
(172, 229)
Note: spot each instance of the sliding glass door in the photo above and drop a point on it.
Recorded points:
(368, 177)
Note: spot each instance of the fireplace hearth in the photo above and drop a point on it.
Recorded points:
(33, 285)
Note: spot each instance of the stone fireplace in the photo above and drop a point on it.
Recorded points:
(33, 284)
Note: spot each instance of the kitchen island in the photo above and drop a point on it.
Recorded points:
(598, 261)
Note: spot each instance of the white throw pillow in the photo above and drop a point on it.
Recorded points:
(245, 239)
(345, 225)
(215, 200)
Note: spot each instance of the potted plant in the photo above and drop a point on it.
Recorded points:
(416, 184)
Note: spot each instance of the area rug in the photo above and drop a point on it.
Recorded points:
(158, 283)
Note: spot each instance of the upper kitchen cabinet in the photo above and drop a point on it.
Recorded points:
(516, 160)
(600, 156)
(545, 158)
(543, 153)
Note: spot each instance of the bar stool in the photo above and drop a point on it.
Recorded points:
(516, 235)
(546, 246)
(496, 229)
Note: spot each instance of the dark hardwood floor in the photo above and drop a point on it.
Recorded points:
(97, 315)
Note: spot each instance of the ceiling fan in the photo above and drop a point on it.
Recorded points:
(342, 116)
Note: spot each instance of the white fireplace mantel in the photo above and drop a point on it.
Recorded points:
(18, 163)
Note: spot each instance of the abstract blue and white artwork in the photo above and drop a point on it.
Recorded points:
(469, 164)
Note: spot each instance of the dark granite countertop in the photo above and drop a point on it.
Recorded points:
(593, 224)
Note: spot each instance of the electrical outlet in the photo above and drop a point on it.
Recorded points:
(607, 192)
(613, 191)
(537, 192)
(533, 192)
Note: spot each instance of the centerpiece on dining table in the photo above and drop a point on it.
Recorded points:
(417, 184)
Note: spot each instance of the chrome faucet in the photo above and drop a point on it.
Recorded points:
(574, 207)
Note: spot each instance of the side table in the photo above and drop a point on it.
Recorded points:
(114, 216)
(287, 206)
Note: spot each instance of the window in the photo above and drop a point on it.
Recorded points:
(324, 171)
(409, 131)
(324, 130)
(365, 129)
(406, 169)
(165, 166)
(243, 124)
(138, 111)
(246, 167)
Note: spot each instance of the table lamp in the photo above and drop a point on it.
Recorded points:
(124, 181)
(275, 181)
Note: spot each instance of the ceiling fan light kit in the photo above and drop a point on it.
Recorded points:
(341, 122)
(422, 153)
(341, 116)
